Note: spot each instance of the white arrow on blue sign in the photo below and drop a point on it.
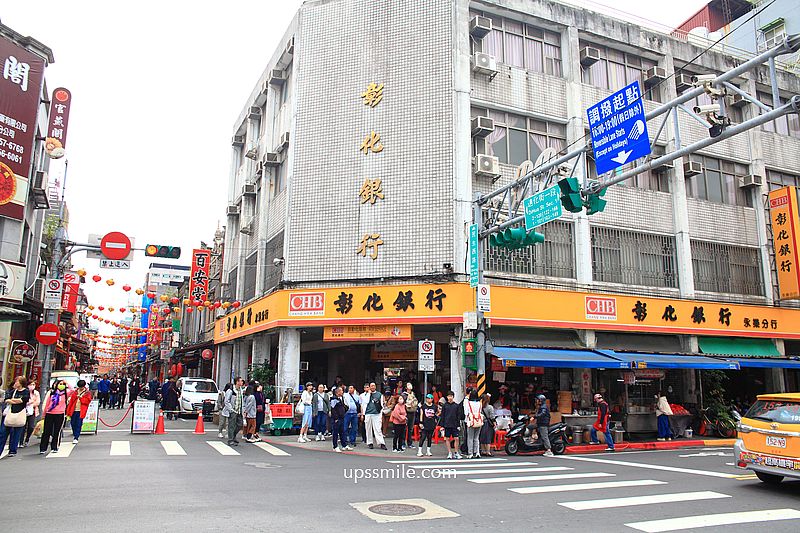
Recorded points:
(619, 129)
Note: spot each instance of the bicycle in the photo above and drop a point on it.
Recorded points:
(710, 423)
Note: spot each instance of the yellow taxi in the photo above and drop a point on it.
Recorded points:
(769, 438)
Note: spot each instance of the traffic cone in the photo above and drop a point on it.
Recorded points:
(199, 428)
(160, 424)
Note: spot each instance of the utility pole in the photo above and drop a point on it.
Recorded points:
(480, 334)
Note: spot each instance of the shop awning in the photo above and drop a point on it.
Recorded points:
(551, 358)
(11, 314)
(765, 362)
(743, 347)
(658, 360)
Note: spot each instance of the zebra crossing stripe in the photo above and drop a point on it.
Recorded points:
(721, 519)
(120, 447)
(509, 470)
(222, 448)
(587, 505)
(436, 459)
(517, 479)
(456, 465)
(587, 486)
(269, 448)
(63, 451)
(171, 447)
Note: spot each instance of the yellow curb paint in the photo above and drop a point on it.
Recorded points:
(719, 442)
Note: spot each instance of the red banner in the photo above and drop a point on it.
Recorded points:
(69, 298)
(56, 140)
(198, 280)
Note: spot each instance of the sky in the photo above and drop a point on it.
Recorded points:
(156, 88)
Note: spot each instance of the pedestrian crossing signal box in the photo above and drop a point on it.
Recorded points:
(158, 250)
(469, 352)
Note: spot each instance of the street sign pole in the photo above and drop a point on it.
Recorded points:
(477, 219)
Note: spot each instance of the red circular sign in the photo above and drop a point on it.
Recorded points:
(62, 95)
(47, 334)
(115, 245)
(427, 346)
(207, 354)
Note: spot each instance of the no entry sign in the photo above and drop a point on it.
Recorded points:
(47, 334)
(115, 245)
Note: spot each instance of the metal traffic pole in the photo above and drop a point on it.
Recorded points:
(480, 336)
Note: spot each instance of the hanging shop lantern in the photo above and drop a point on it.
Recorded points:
(176, 310)
(139, 292)
(174, 300)
(189, 309)
(226, 305)
(100, 308)
(121, 309)
(187, 301)
(81, 272)
(236, 304)
(126, 288)
(110, 282)
(217, 305)
(151, 295)
(96, 278)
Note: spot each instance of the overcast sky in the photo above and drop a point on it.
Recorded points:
(156, 87)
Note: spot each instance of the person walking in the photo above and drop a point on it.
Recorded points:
(134, 388)
(486, 436)
(601, 424)
(390, 401)
(473, 416)
(261, 408)
(113, 393)
(427, 417)
(663, 412)
(353, 404)
(412, 404)
(372, 417)
(169, 399)
(399, 419)
(77, 405)
(14, 415)
(543, 423)
(234, 400)
(450, 420)
(223, 418)
(32, 413)
(304, 408)
(123, 391)
(338, 413)
(249, 410)
(103, 388)
(320, 408)
(54, 407)
(152, 389)
(93, 386)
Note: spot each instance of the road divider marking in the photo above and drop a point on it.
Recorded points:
(517, 479)
(171, 447)
(651, 467)
(222, 448)
(120, 447)
(269, 448)
(63, 451)
(722, 519)
(587, 486)
(587, 505)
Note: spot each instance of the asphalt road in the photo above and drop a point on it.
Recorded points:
(120, 482)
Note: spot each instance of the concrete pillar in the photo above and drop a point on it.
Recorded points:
(588, 338)
(775, 380)
(261, 348)
(457, 372)
(288, 375)
(462, 160)
(224, 364)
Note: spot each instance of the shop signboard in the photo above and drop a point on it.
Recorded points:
(56, 140)
(783, 212)
(90, 421)
(198, 277)
(71, 288)
(21, 352)
(12, 281)
(144, 416)
(400, 351)
(375, 332)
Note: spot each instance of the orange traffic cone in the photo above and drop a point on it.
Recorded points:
(160, 424)
(199, 428)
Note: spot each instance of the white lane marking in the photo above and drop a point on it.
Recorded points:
(707, 454)
(730, 464)
(651, 467)
(63, 451)
(517, 479)
(722, 519)
(120, 447)
(509, 470)
(587, 486)
(3, 452)
(222, 448)
(586, 505)
(434, 459)
(171, 447)
(269, 448)
(458, 464)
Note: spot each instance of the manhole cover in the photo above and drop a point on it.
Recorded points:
(262, 465)
(397, 509)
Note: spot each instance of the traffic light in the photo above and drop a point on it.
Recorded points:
(571, 195)
(159, 250)
(515, 238)
(469, 354)
(595, 202)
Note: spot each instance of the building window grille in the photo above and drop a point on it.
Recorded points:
(555, 257)
(633, 258)
(249, 276)
(617, 69)
(726, 268)
(719, 182)
(233, 276)
(272, 273)
(517, 138)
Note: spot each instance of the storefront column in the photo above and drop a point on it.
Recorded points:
(457, 374)
(224, 362)
(288, 359)
(588, 338)
(262, 344)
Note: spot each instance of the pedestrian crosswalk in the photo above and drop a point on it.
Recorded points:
(170, 448)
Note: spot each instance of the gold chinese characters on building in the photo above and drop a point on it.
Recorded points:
(784, 216)
(372, 189)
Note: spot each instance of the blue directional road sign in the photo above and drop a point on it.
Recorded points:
(542, 207)
(619, 129)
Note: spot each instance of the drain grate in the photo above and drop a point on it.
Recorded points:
(396, 509)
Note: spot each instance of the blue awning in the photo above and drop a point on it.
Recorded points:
(657, 360)
(552, 358)
(765, 362)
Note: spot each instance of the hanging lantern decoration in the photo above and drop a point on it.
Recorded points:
(207, 303)
(106, 321)
(81, 272)
(174, 300)
(139, 292)
(96, 278)
(189, 309)
(166, 310)
(91, 308)
(236, 304)
(111, 309)
(226, 305)
(187, 301)
(143, 310)
(176, 310)
(101, 308)
(126, 288)
(110, 282)
(163, 298)
(217, 305)
(151, 295)
(197, 303)
(121, 309)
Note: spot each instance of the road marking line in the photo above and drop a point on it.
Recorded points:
(516, 479)
(587, 505)
(722, 519)
(459, 464)
(651, 467)
(269, 448)
(222, 448)
(746, 476)
(587, 486)
(4, 452)
(171, 447)
(63, 451)
(434, 459)
(120, 447)
(509, 470)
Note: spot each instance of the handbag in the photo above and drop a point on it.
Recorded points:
(12, 419)
(475, 421)
(300, 408)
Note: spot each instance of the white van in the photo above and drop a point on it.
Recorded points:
(195, 391)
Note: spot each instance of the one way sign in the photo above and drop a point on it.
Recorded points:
(619, 129)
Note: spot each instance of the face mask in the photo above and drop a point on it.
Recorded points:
(61, 387)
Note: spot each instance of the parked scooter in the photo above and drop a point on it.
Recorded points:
(517, 441)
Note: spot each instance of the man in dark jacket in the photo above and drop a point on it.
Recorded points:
(152, 393)
(428, 415)
(338, 411)
(450, 420)
(543, 423)
(134, 387)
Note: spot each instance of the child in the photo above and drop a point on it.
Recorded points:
(427, 423)
(398, 418)
(450, 420)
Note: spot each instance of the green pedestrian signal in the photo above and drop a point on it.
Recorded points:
(571, 195)
(515, 238)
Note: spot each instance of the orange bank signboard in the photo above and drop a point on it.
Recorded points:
(784, 217)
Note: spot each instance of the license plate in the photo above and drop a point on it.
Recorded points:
(776, 442)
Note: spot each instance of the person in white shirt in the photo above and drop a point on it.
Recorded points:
(372, 417)
(353, 402)
(364, 396)
(663, 412)
(305, 400)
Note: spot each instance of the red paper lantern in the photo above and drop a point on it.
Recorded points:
(121, 309)
(106, 321)
(236, 304)
(143, 310)
(151, 295)
(197, 303)
(101, 308)
(126, 288)
(174, 300)
(217, 305)
(189, 309)
(96, 278)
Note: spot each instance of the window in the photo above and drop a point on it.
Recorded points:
(249, 277)
(522, 45)
(286, 88)
(651, 180)
(272, 273)
(233, 277)
(617, 69)
(785, 125)
(279, 180)
(632, 258)
(726, 268)
(719, 182)
(772, 35)
(555, 257)
(777, 179)
(516, 138)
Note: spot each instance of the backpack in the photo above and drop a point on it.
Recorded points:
(474, 420)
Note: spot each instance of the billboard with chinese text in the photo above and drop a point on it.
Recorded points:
(783, 214)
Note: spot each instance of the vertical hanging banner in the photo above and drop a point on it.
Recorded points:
(198, 279)
(56, 141)
(20, 89)
(69, 297)
(784, 215)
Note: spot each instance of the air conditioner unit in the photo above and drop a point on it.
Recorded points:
(589, 56)
(255, 112)
(238, 140)
(277, 77)
(663, 168)
(683, 82)
(39, 191)
(654, 75)
(252, 152)
(487, 165)
(283, 143)
(482, 126)
(692, 168)
(260, 168)
(737, 100)
(479, 27)
(271, 159)
(249, 189)
(247, 228)
(753, 180)
(304, 366)
(290, 47)
(233, 211)
(484, 63)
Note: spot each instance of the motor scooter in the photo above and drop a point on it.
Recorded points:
(517, 441)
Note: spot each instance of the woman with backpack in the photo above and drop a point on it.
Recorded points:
(473, 416)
